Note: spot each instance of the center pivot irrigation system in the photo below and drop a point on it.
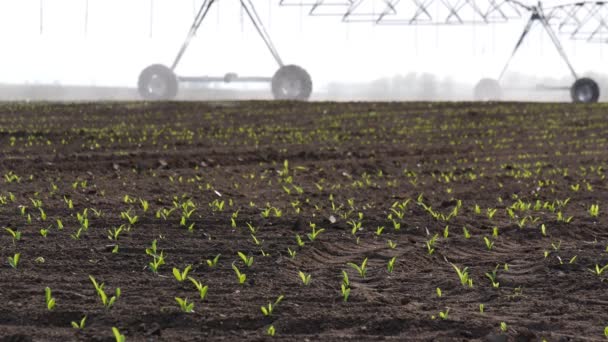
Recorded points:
(583, 20)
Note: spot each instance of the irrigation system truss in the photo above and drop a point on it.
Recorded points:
(583, 20)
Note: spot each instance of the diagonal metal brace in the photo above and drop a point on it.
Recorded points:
(249, 8)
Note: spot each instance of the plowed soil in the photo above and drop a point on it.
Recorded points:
(346, 164)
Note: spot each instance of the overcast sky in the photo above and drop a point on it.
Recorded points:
(123, 37)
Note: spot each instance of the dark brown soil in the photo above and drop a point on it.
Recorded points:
(343, 160)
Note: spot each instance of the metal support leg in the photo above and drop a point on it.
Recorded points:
(527, 29)
(557, 43)
(259, 26)
(538, 14)
(249, 8)
(198, 20)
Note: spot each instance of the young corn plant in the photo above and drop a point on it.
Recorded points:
(598, 270)
(312, 236)
(362, 270)
(181, 275)
(292, 253)
(489, 243)
(345, 286)
(202, 289)
(594, 210)
(306, 278)
(107, 302)
(184, 305)
(118, 336)
(269, 309)
(14, 260)
(241, 277)
(213, 262)
(247, 260)
(391, 244)
(492, 277)
(50, 301)
(80, 324)
(430, 244)
(15, 234)
(157, 261)
(391, 264)
(463, 276)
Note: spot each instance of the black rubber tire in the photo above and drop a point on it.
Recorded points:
(157, 83)
(585, 90)
(487, 89)
(291, 82)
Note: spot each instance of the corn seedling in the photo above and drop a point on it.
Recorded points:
(492, 277)
(444, 314)
(50, 301)
(105, 300)
(430, 244)
(157, 261)
(312, 236)
(118, 336)
(15, 234)
(304, 277)
(241, 277)
(598, 270)
(355, 226)
(345, 290)
(463, 276)
(391, 264)
(184, 305)
(292, 253)
(202, 289)
(489, 243)
(379, 230)
(482, 308)
(466, 233)
(181, 275)
(362, 270)
(503, 327)
(271, 331)
(44, 232)
(606, 332)
(247, 260)
(59, 224)
(490, 212)
(14, 260)
(144, 205)
(299, 241)
(76, 236)
(439, 292)
(391, 244)
(269, 309)
(543, 229)
(213, 262)
(79, 325)
(594, 210)
(113, 234)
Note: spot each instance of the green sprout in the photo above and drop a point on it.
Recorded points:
(269, 309)
(241, 277)
(50, 301)
(304, 277)
(489, 243)
(14, 260)
(118, 336)
(247, 260)
(184, 305)
(463, 275)
(598, 270)
(503, 327)
(312, 236)
(181, 275)
(292, 253)
(594, 210)
(15, 234)
(492, 277)
(391, 244)
(430, 244)
(271, 331)
(466, 233)
(202, 289)
(439, 292)
(213, 262)
(105, 300)
(361, 269)
(79, 325)
(391, 264)
(444, 314)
